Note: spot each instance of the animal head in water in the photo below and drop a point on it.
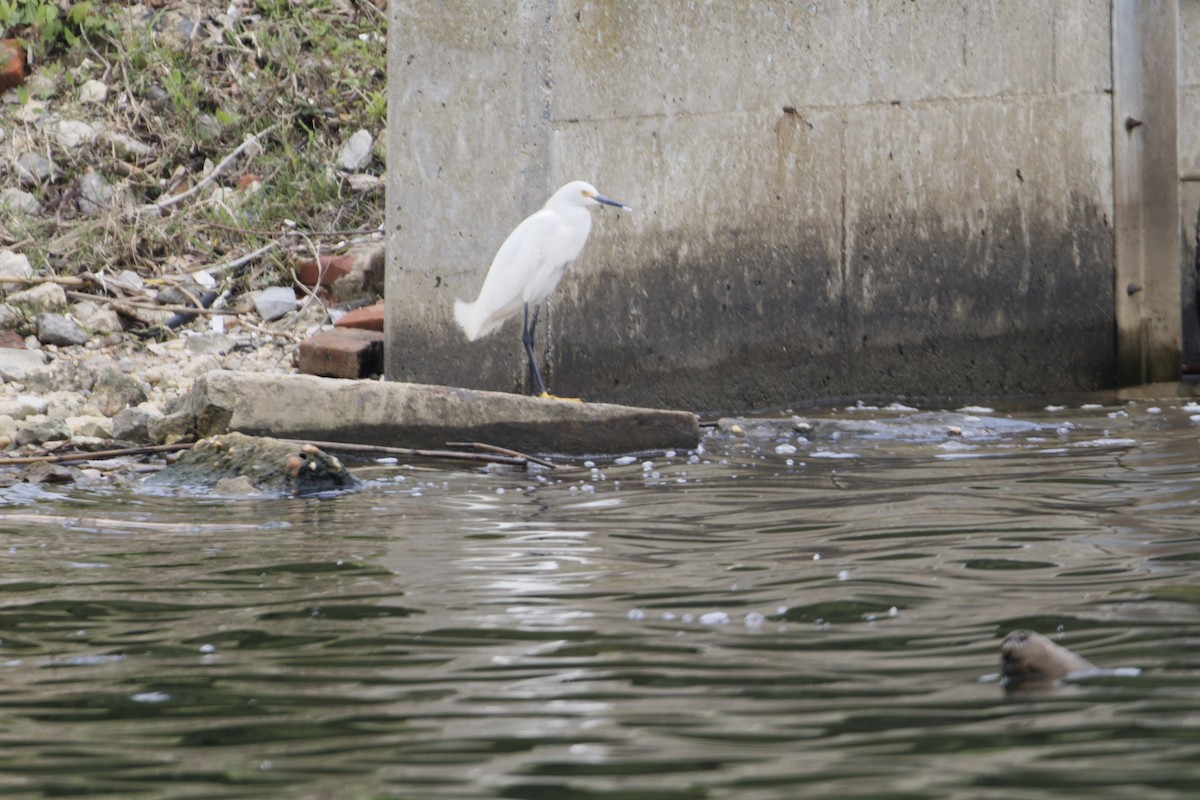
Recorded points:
(1029, 660)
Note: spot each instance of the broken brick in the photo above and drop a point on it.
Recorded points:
(368, 318)
(342, 353)
(12, 64)
(329, 269)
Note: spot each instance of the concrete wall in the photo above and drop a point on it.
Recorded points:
(834, 197)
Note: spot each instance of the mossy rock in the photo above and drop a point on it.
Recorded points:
(272, 466)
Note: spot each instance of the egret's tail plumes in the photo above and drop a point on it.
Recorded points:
(468, 318)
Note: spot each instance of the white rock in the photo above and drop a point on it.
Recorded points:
(93, 91)
(15, 265)
(15, 365)
(210, 343)
(356, 152)
(160, 375)
(73, 133)
(131, 278)
(363, 183)
(131, 423)
(14, 200)
(124, 145)
(201, 365)
(273, 303)
(96, 194)
(40, 431)
(33, 168)
(95, 318)
(64, 404)
(98, 427)
(22, 406)
(43, 297)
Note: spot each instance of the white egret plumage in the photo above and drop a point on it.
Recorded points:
(529, 265)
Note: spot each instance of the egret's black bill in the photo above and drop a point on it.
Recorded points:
(608, 201)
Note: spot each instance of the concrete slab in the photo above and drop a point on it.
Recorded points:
(418, 415)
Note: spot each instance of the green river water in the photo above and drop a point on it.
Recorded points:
(774, 616)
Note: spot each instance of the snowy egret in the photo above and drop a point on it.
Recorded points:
(529, 265)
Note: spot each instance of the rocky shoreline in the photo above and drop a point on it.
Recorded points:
(116, 391)
(108, 372)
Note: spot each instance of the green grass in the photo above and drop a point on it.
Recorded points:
(312, 72)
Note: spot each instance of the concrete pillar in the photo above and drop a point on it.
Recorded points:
(1146, 190)
(1189, 172)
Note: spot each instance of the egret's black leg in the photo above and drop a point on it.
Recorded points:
(529, 326)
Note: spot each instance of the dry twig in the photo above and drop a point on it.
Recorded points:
(497, 455)
(491, 448)
(159, 206)
(98, 455)
(61, 281)
(102, 523)
(118, 304)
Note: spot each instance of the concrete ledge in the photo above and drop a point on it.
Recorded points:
(417, 415)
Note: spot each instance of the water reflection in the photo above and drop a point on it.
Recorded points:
(788, 612)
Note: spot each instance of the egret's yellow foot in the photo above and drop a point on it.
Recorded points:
(548, 396)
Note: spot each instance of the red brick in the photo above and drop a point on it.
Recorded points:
(12, 64)
(329, 270)
(342, 353)
(367, 318)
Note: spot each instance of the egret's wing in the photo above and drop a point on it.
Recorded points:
(518, 264)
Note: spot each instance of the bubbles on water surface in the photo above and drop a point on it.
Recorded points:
(150, 697)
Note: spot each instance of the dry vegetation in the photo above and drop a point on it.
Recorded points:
(191, 81)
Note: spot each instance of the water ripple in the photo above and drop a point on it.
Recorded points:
(743, 621)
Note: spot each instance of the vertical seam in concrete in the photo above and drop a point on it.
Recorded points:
(964, 17)
(1054, 49)
(843, 267)
(536, 92)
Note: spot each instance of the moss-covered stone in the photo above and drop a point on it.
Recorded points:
(271, 466)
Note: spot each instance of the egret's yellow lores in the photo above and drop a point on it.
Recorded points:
(529, 265)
